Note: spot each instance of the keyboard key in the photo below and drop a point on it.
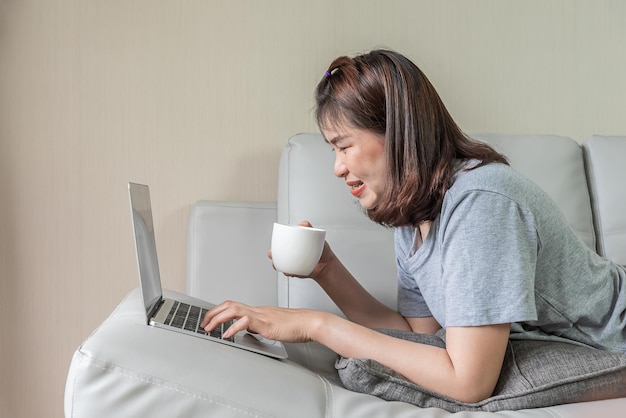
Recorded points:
(190, 317)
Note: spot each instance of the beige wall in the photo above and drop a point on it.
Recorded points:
(197, 98)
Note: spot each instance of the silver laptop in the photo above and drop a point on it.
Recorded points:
(173, 314)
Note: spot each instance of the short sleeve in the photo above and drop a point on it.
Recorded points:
(489, 251)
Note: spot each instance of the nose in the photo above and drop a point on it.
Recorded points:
(339, 168)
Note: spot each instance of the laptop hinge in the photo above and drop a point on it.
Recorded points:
(155, 309)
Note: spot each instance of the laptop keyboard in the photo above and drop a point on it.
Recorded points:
(189, 317)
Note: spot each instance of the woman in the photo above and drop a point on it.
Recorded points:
(481, 251)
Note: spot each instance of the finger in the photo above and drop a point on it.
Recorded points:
(239, 325)
(213, 312)
(220, 318)
(305, 223)
(269, 255)
(208, 316)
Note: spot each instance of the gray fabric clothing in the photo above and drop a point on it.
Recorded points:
(501, 251)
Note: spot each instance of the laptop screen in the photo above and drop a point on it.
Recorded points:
(145, 246)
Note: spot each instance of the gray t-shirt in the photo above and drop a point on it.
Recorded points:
(501, 251)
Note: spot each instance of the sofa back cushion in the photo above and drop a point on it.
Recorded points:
(308, 190)
(606, 172)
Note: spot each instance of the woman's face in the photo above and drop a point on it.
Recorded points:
(360, 161)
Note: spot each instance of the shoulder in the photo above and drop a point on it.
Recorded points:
(494, 176)
(494, 194)
(496, 180)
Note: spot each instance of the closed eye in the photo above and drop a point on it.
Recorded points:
(336, 143)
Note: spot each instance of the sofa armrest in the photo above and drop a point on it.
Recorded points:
(129, 369)
(227, 244)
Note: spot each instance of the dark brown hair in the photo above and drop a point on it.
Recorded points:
(386, 93)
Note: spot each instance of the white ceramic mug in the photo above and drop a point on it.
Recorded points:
(296, 249)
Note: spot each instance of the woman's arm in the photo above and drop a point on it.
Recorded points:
(357, 304)
(466, 370)
(361, 307)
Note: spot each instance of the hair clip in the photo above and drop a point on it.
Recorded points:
(327, 74)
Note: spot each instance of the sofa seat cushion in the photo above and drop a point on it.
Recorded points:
(534, 374)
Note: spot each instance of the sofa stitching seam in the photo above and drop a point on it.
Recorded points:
(164, 385)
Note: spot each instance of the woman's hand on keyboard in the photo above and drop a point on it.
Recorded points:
(281, 324)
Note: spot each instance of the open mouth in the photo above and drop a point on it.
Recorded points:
(356, 188)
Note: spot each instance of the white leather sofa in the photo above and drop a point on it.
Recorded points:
(127, 369)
